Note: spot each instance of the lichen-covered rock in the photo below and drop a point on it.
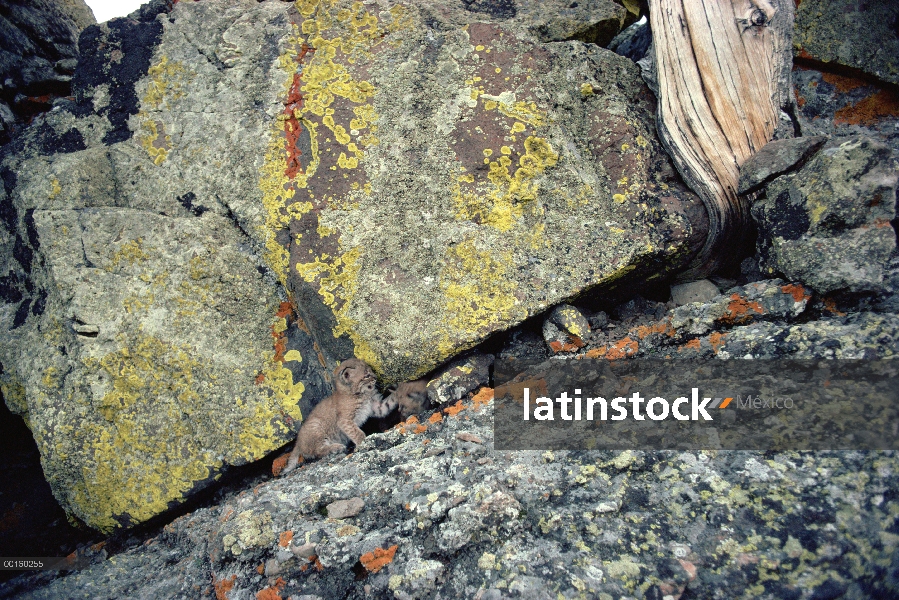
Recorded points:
(445, 184)
(38, 52)
(858, 35)
(774, 159)
(145, 341)
(410, 185)
(461, 376)
(839, 105)
(451, 519)
(592, 21)
(763, 300)
(829, 224)
(565, 328)
(858, 336)
(682, 328)
(633, 42)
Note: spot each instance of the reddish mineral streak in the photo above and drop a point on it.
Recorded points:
(292, 127)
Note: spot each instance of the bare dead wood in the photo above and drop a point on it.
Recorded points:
(723, 72)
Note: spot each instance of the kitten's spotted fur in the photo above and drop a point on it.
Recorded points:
(337, 418)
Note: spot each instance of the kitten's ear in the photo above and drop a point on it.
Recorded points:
(344, 374)
(391, 389)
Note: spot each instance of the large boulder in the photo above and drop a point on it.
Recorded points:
(145, 342)
(829, 224)
(593, 21)
(444, 184)
(38, 53)
(860, 35)
(409, 186)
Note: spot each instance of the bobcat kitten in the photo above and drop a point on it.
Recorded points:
(338, 417)
(411, 397)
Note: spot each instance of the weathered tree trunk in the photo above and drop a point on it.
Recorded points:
(723, 70)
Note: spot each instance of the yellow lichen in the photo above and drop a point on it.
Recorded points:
(502, 205)
(55, 189)
(325, 79)
(13, 393)
(131, 252)
(165, 83)
(477, 293)
(137, 466)
(157, 143)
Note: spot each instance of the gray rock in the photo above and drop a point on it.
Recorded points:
(591, 21)
(532, 523)
(845, 32)
(861, 336)
(771, 300)
(828, 225)
(38, 43)
(305, 551)
(343, 509)
(598, 320)
(145, 341)
(775, 159)
(565, 328)
(633, 42)
(832, 102)
(459, 378)
(694, 291)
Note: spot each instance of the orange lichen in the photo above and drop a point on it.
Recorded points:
(272, 592)
(482, 398)
(740, 310)
(596, 352)
(843, 84)
(572, 345)
(455, 409)
(279, 463)
(409, 424)
(292, 128)
(377, 560)
(694, 344)
(622, 349)
(420, 429)
(868, 111)
(800, 101)
(223, 587)
(797, 291)
(435, 418)
(644, 331)
(285, 309)
(716, 340)
(261, 569)
(284, 538)
(830, 305)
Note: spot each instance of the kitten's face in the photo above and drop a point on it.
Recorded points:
(355, 377)
(411, 398)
